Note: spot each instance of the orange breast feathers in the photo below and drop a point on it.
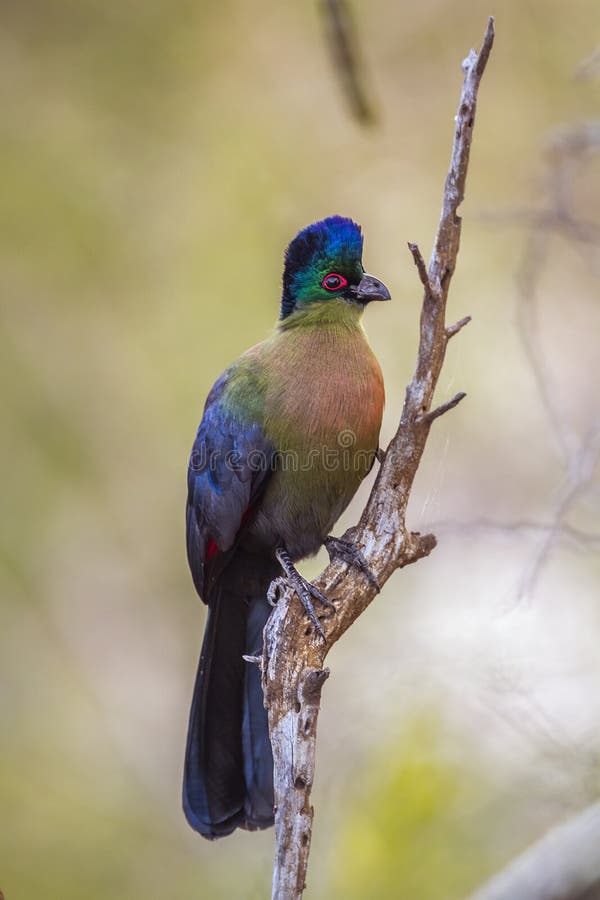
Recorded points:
(328, 388)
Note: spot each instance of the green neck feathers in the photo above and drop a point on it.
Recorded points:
(337, 313)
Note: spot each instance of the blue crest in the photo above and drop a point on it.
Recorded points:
(333, 242)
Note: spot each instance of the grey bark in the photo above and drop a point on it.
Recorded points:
(293, 658)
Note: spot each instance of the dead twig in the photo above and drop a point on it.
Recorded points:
(451, 330)
(341, 37)
(444, 408)
(567, 150)
(293, 670)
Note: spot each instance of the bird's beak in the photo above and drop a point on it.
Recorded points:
(371, 288)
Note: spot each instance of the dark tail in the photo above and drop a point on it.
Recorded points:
(228, 776)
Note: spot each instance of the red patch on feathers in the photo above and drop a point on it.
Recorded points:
(211, 548)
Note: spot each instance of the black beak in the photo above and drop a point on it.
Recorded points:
(371, 288)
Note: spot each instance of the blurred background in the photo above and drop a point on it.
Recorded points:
(155, 160)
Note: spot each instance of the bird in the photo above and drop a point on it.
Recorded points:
(288, 433)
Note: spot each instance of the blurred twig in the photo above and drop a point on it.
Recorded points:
(343, 44)
(581, 467)
(563, 865)
(292, 667)
(566, 152)
(589, 68)
(578, 536)
(544, 732)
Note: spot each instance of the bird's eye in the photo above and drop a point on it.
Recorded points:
(334, 282)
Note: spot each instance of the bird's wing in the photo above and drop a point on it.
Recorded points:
(229, 465)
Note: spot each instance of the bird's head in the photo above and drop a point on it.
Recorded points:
(324, 263)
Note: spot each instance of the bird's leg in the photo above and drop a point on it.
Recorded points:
(303, 588)
(349, 553)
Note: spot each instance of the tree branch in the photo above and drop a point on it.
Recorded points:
(293, 655)
(341, 37)
(563, 865)
(451, 330)
(444, 408)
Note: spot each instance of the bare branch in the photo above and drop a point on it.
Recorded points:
(293, 654)
(293, 783)
(589, 68)
(340, 31)
(257, 660)
(563, 865)
(549, 220)
(422, 269)
(451, 330)
(566, 151)
(516, 526)
(444, 408)
(581, 471)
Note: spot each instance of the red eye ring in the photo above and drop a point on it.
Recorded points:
(334, 282)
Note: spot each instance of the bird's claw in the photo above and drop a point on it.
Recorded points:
(303, 588)
(277, 585)
(349, 553)
(305, 591)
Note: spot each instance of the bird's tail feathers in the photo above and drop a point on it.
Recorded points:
(228, 776)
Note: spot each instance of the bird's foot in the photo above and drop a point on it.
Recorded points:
(349, 553)
(277, 586)
(305, 590)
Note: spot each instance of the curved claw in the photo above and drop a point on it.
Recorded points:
(309, 609)
(349, 553)
(316, 593)
(303, 588)
(273, 590)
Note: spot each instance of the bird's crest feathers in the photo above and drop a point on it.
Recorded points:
(334, 244)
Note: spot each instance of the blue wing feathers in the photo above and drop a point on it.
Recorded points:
(230, 461)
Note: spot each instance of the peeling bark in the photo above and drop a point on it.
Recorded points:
(293, 658)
